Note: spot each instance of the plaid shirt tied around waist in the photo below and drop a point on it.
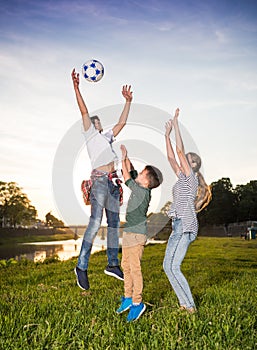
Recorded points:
(86, 185)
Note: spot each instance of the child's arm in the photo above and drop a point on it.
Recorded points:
(180, 146)
(170, 153)
(126, 164)
(82, 106)
(127, 94)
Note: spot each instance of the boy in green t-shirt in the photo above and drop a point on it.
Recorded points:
(134, 233)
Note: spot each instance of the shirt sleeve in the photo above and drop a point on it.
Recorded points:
(133, 174)
(192, 179)
(129, 183)
(132, 185)
(89, 132)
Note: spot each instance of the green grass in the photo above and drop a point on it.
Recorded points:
(42, 307)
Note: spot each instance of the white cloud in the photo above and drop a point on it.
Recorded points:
(221, 37)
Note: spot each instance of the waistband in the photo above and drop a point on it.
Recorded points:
(96, 172)
(113, 175)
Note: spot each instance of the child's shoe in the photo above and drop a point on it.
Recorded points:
(114, 271)
(82, 279)
(126, 303)
(135, 312)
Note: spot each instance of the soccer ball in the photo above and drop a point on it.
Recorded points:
(93, 71)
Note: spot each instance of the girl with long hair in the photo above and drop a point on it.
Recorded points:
(190, 195)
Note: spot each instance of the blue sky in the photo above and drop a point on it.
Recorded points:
(200, 56)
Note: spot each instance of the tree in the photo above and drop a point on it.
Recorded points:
(159, 224)
(165, 208)
(53, 221)
(15, 207)
(247, 201)
(223, 207)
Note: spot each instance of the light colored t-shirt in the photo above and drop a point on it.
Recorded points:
(99, 147)
(183, 206)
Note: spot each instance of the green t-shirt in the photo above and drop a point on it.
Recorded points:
(137, 207)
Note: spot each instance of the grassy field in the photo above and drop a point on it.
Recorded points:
(42, 307)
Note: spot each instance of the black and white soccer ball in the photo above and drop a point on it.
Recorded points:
(93, 71)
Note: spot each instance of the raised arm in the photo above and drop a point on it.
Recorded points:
(169, 148)
(82, 106)
(127, 94)
(184, 165)
(126, 163)
(179, 141)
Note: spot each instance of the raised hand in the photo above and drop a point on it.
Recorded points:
(75, 78)
(123, 152)
(176, 113)
(127, 94)
(168, 127)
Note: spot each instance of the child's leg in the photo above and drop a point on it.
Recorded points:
(176, 249)
(125, 264)
(126, 301)
(135, 256)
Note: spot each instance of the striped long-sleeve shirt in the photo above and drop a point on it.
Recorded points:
(183, 205)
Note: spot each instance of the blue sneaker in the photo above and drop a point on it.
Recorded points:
(114, 271)
(135, 312)
(82, 279)
(126, 303)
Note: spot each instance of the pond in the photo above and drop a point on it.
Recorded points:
(39, 251)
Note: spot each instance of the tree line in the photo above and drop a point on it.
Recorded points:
(15, 207)
(17, 210)
(228, 205)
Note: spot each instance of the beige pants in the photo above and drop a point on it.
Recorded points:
(132, 251)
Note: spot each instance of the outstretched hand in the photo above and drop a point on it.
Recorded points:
(124, 152)
(127, 94)
(168, 127)
(176, 114)
(75, 78)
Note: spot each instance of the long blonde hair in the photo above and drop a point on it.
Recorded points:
(204, 194)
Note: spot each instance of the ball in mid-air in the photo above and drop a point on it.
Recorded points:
(93, 71)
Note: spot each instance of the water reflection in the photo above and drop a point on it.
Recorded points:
(64, 250)
(39, 251)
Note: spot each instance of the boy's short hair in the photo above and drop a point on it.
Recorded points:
(154, 176)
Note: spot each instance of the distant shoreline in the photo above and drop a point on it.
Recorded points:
(24, 235)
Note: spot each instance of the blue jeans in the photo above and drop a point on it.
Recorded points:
(176, 249)
(104, 195)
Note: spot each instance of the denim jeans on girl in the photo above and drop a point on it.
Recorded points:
(177, 247)
(104, 195)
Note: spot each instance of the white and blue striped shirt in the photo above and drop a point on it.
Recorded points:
(183, 205)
